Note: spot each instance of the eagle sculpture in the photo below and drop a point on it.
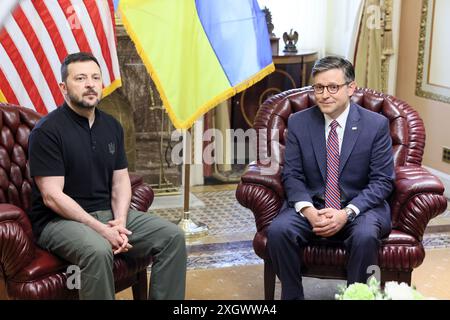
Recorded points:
(290, 40)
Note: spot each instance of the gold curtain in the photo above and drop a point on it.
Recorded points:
(374, 45)
(222, 123)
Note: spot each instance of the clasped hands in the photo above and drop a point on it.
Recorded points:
(116, 233)
(325, 222)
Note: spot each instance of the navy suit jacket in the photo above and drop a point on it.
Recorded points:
(366, 167)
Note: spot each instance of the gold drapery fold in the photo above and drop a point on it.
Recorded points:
(374, 45)
(368, 49)
(388, 48)
(222, 123)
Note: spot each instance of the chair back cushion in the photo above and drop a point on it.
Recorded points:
(406, 127)
(16, 124)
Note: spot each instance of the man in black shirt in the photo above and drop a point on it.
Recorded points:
(82, 193)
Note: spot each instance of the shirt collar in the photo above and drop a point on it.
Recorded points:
(342, 119)
(75, 116)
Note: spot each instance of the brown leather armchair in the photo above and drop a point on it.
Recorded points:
(417, 197)
(27, 271)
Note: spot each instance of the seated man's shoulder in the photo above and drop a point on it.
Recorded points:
(303, 115)
(107, 116)
(109, 119)
(50, 120)
(372, 115)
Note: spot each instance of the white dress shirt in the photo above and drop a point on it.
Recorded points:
(340, 129)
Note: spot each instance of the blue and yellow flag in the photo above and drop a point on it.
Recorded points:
(199, 52)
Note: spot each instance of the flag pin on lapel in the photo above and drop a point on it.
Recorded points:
(354, 128)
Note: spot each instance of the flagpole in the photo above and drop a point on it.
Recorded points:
(191, 229)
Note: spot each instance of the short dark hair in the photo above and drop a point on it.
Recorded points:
(75, 57)
(333, 62)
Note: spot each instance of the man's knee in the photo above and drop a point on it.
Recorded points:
(177, 234)
(365, 239)
(172, 236)
(277, 232)
(98, 251)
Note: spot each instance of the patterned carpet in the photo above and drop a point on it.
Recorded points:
(230, 270)
(221, 213)
(225, 217)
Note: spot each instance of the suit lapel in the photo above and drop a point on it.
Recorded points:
(317, 130)
(350, 136)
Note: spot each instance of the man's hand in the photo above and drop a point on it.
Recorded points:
(116, 233)
(315, 219)
(120, 204)
(124, 233)
(117, 222)
(125, 245)
(336, 220)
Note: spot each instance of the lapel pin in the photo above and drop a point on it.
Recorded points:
(354, 128)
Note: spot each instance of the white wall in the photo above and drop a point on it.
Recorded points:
(342, 27)
(328, 26)
(439, 66)
(307, 17)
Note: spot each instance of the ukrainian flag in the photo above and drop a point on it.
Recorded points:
(199, 52)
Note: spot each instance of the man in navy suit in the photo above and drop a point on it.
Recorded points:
(338, 173)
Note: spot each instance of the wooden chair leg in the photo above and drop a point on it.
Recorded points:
(269, 280)
(140, 288)
(405, 277)
(399, 277)
(3, 291)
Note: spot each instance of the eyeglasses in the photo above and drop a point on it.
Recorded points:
(332, 88)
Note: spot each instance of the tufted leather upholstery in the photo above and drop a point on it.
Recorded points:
(27, 271)
(417, 197)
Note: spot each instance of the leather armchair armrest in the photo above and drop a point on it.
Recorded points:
(264, 175)
(17, 248)
(261, 191)
(43, 264)
(141, 193)
(417, 198)
(135, 179)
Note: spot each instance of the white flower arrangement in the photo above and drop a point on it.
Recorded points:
(372, 291)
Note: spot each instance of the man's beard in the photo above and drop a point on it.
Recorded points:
(80, 103)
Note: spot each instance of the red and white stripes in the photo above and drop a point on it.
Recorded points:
(38, 35)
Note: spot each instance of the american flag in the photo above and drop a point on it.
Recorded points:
(39, 34)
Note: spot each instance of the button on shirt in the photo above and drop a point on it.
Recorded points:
(340, 129)
(63, 144)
